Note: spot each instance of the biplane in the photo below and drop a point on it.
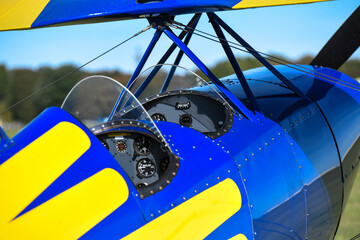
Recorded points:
(268, 153)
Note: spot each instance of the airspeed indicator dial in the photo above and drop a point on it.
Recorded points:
(146, 168)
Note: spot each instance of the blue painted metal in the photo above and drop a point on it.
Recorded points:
(233, 100)
(193, 22)
(60, 11)
(5, 142)
(257, 55)
(234, 63)
(177, 60)
(137, 70)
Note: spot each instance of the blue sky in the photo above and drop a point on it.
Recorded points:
(291, 31)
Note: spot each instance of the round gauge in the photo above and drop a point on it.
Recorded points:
(121, 146)
(142, 145)
(158, 117)
(146, 168)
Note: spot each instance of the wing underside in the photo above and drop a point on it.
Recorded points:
(27, 14)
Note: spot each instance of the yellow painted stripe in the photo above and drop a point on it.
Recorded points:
(239, 237)
(268, 3)
(20, 14)
(195, 218)
(28, 173)
(74, 212)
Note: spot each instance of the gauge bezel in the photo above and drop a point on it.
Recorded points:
(136, 148)
(140, 173)
(115, 126)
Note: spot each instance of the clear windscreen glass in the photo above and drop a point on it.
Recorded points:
(92, 100)
(163, 78)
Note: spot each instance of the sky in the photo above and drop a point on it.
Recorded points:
(290, 31)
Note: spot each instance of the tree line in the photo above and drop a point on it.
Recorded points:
(17, 84)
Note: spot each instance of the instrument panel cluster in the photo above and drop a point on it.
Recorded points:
(143, 157)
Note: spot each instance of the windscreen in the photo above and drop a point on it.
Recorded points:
(92, 100)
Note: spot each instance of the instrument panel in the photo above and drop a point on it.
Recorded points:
(201, 111)
(143, 157)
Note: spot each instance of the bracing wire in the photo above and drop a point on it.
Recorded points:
(268, 57)
(75, 70)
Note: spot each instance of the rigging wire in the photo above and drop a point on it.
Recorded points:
(268, 56)
(77, 69)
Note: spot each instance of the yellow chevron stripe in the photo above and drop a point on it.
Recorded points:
(239, 237)
(20, 14)
(268, 3)
(74, 212)
(29, 172)
(195, 218)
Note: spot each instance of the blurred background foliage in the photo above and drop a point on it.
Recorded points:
(17, 84)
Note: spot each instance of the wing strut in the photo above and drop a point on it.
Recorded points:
(192, 24)
(257, 55)
(234, 63)
(162, 24)
(239, 106)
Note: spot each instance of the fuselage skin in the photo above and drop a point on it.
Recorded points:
(323, 146)
(287, 176)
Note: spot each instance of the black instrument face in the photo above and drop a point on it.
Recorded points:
(146, 168)
(150, 173)
(185, 120)
(142, 145)
(121, 146)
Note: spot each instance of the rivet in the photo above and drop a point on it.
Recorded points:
(193, 146)
(210, 159)
(245, 159)
(266, 143)
(299, 166)
(152, 192)
(244, 179)
(228, 171)
(159, 211)
(260, 149)
(174, 173)
(252, 154)
(167, 181)
(239, 165)
(251, 206)
(152, 215)
(172, 204)
(136, 195)
(291, 124)
(218, 177)
(279, 134)
(160, 188)
(207, 184)
(195, 190)
(291, 144)
(142, 196)
(184, 198)
(254, 233)
(273, 139)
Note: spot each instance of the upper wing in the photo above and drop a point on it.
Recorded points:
(25, 14)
